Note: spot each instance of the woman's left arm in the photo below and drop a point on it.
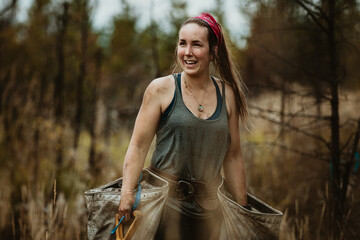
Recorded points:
(233, 164)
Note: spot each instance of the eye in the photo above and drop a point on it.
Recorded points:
(181, 43)
(196, 44)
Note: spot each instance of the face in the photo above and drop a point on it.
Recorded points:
(193, 50)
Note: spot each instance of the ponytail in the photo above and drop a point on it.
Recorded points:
(224, 64)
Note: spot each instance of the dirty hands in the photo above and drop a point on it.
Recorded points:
(126, 204)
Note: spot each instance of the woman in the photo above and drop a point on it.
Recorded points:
(196, 120)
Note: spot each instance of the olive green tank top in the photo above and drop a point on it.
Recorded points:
(188, 146)
(191, 147)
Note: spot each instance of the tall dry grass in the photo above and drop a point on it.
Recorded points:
(51, 204)
(42, 200)
(282, 171)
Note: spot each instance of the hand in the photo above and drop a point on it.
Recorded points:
(126, 203)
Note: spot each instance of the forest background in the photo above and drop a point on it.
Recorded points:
(69, 95)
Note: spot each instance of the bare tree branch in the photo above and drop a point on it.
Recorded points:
(312, 15)
(312, 125)
(285, 29)
(316, 156)
(317, 7)
(307, 125)
(9, 7)
(348, 122)
(287, 62)
(287, 92)
(351, 46)
(317, 117)
(347, 6)
(342, 148)
(293, 128)
(306, 108)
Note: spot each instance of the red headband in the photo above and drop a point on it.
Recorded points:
(215, 26)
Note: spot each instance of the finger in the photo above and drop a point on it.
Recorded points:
(119, 214)
(127, 215)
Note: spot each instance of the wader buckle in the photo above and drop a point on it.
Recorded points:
(184, 190)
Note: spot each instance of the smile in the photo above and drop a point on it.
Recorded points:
(190, 62)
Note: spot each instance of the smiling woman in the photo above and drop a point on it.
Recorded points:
(193, 50)
(195, 117)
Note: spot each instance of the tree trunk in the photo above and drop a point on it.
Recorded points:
(59, 83)
(154, 43)
(82, 73)
(92, 159)
(335, 122)
(59, 79)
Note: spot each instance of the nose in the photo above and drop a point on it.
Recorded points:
(188, 50)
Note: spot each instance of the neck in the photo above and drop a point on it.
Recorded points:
(196, 82)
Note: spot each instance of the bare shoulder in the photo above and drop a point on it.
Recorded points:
(228, 89)
(160, 85)
(161, 90)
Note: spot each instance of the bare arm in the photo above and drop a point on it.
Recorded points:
(233, 163)
(143, 134)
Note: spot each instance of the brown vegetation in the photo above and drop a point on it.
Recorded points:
(69, 95)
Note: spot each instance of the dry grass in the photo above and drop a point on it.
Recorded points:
(51, 205)
(279, 172)
(288, 181)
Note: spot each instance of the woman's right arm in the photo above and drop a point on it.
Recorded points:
(144, 131)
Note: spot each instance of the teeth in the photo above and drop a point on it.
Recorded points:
(190, 62)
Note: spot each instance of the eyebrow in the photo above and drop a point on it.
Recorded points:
(195, 41)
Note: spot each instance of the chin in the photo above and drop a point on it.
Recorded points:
(192, 72)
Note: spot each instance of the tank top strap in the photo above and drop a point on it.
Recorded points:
(177, 77)
(223, 84)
